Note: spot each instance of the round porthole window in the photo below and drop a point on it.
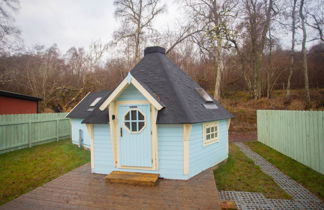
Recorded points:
(134, 121)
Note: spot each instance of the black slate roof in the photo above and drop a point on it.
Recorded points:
(175, 89)
(19, 96)
(172, 88)
(83, 109)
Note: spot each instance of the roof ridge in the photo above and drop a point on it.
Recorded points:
(180, 97)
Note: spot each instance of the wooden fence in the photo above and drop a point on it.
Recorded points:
(297, 134)
(25, 130)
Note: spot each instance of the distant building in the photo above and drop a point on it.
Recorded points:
(14, 103)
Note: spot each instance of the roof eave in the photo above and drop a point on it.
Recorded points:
(124, 84)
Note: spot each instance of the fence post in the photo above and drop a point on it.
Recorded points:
(57, 130)
(29, 134)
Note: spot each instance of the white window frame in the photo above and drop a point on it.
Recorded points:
(94, 102)
(130, 121)
(210, 125)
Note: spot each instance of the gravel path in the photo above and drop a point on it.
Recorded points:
(302, 198)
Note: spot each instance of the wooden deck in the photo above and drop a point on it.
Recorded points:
(79, 189)
(124, 177)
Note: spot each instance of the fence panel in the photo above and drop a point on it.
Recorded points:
(297, 134)
(25, 130)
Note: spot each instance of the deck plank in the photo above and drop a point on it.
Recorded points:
(80, 189)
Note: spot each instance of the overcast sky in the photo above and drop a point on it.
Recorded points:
(79, 22)
(74, 22)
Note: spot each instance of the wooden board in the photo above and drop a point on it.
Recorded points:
(124, 177)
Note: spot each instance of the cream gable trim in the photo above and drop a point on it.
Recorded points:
(90, 131)
(125, 83)
(186, 135)
(154, 137)
(77, 104)
(113, 124)
(146, 94)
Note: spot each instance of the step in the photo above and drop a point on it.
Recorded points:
(146, 179)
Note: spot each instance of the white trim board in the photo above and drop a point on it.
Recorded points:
(124, 84)
(186, 135)
(91, 134)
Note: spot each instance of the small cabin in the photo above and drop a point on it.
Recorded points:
(158, 120)
(87, 105)
(16, 103)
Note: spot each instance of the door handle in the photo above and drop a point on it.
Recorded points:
(121, 132)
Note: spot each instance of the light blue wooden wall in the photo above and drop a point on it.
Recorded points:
(103, 153)
(75, 126)
(203, 157)
(170, 151)
(170, 147)
(131, 93)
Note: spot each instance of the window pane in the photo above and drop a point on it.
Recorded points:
(212, 129)
(133, 116)
(140, 116)
(212, 136)
(127, 125)
(216, 134)
(216, 129)
(140, 125)
(134, 126)
(208, 137)
(208, 130)
(127, 116)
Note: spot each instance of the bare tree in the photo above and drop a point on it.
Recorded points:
(293, 41)
(258, 19)
(214, 18)
(9, 33)
(315, 13)
(304, 51)
(136, 18)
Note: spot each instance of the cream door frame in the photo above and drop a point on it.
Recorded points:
(114, 126)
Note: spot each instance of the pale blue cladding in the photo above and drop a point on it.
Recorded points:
(102, 148)
(76, 126)
(170, 151)
(170, 145)
(203, 157)
(131, 93)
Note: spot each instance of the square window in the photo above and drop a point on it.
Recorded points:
(210, 133)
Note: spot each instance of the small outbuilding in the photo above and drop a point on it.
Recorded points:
(158, 120)
(82, 110)
(16, 103)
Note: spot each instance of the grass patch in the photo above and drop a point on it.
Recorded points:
(304, 175)
(26, 169)
(239, 173)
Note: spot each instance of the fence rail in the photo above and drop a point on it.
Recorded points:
(297, 134)
(26, 130)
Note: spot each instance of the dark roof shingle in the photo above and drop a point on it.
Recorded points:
(81, 111)
(175, 90)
